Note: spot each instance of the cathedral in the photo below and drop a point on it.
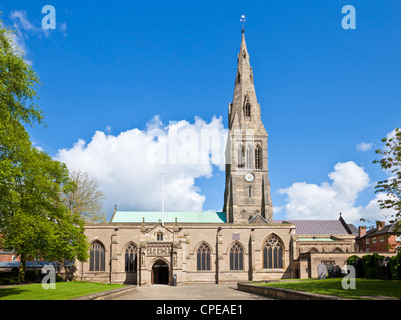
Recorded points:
(241, 243)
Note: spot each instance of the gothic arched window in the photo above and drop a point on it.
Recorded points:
(97, 257)
(247, 110)
(272, 253)
(236, 257)
(258, 157)
(203, 257)
(131, 258)
(241, 156)
(249, 155)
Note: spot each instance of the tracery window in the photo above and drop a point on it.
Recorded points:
(258, 157)
(272, 253)
(241, 156)
(247, 110)
(97, 257)
(249, 154)
(203, 257)
(131, 258)
(236, 257)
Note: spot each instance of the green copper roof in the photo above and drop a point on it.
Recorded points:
(169, 217)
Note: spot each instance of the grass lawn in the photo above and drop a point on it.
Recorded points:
(363, 287)
(63, 291)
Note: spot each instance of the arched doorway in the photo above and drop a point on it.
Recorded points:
(160, 272)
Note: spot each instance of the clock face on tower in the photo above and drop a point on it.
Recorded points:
(249, 177)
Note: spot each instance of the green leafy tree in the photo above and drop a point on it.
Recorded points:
(391, 162)
(40, 226)
(34, 220)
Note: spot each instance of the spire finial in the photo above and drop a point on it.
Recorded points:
(243, 22)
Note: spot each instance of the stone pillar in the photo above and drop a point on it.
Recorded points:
(113, 257)
(142, 252)
(251, 257)
(219, 252)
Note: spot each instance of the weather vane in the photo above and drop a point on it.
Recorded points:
(243, 21)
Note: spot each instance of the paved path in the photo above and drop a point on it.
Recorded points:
(191, 292)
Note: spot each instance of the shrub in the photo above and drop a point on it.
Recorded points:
(7, 277)
(12, 277)
(357, 263)
(395, 266)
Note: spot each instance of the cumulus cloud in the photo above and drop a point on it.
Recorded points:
(129, 165)
(364, 146)
(327, 200)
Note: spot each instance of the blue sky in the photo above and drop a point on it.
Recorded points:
(114, 66)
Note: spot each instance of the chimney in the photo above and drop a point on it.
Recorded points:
(379, 225)
(362, 231)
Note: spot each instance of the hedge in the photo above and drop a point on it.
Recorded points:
(375, 266)
(12, 277)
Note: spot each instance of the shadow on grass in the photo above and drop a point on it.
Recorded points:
(12, 291)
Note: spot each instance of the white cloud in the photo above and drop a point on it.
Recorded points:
(363, 146)
(391, 134)
(25, 28)
(385, 148)
(326, 201)
(129, 165)
(63, 29)
(21, 22)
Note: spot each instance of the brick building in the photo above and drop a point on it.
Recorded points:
(7, 256)
(379, 239)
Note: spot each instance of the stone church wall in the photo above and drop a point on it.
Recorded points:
(178, 250)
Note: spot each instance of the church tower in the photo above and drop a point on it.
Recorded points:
(247, 193)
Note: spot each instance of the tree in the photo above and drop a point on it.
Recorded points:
(34, 220)
(18, 82)
(391, 162)
(18, 85)
(39, 225)
(85, 198)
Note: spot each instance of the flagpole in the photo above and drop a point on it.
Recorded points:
(162, 199)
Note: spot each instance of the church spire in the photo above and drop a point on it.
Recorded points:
(243, 44)
(244, 111)
(247, 191)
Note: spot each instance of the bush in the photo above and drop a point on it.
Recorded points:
(357, 263)
(7, 277)
(395, 266)
(373, 266)
(12, 277)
